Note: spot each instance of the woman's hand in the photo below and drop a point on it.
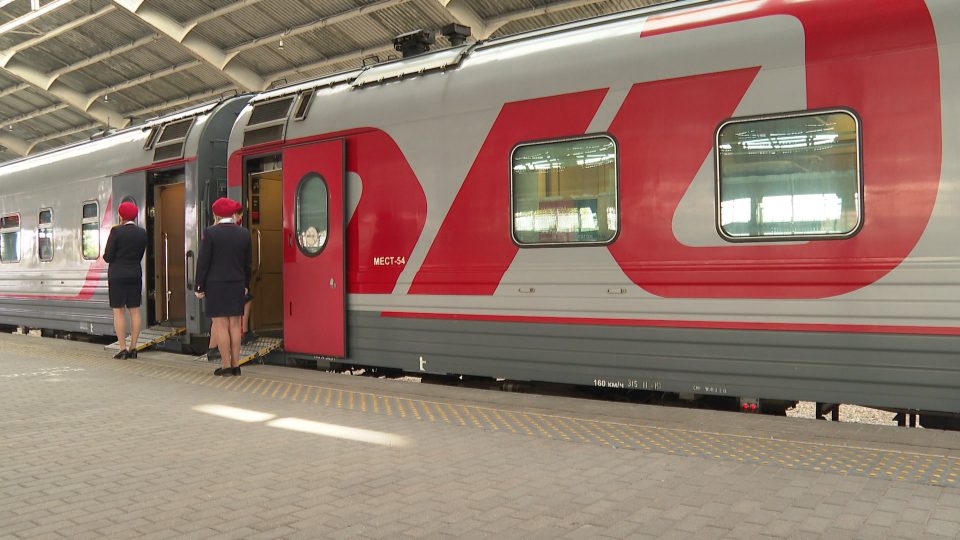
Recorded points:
(198, 294)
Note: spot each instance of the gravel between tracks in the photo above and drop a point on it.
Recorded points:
(848, 413)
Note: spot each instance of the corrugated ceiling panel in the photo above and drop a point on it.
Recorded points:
(366, 31)
(185, 10)
(33, 98)
(406, 17)
(488, 9)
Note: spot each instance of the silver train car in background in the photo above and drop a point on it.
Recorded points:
(57, 209)
(750, 200)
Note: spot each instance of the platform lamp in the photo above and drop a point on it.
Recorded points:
(34, 5)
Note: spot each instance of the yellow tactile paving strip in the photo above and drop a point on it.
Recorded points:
(839, 459)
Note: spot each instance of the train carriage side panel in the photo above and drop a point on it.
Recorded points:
(885, 334)
(68, 292)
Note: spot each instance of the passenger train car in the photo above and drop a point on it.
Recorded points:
(744, 198)
(57, 208)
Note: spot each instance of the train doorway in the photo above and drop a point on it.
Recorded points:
(264, 218)
(167, 248)
(314, 279)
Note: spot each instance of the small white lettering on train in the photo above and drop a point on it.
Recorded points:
(389, 261)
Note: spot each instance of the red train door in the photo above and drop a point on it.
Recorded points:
(314, 288)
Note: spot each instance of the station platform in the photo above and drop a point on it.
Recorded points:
(158, 447)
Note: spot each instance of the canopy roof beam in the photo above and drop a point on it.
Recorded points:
(465, 15)
(202, 49)
(14, 144)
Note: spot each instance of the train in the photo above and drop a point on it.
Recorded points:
(743, 199)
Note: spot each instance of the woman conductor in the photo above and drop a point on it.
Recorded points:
(223, 278)
(125, 248)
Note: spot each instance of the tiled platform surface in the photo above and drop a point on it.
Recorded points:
(92, 447)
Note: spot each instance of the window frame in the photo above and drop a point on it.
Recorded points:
(296, 212)
(616, 190)
(5, 231)
(796, 237)
(281, 120)
(49, 225)
(152, 137)
(84, 221)
(304, 101)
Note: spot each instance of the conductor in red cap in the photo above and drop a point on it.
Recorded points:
(223, 279)
(125, 247)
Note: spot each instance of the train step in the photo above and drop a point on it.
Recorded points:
(151, 336)
(262, 346)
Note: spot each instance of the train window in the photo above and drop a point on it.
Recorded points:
(90, 231)
(789, 177)
(151, 138)
(45, 235)
(304, 105)
(170, 144)
(565, 192)
(311, 214)
(10, 238)
(268, 121)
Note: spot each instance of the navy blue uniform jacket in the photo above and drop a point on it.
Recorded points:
(224, 255)
(125, 247)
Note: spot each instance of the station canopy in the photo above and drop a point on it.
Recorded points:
(70, 69)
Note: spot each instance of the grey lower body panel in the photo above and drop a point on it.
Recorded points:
(88, 316)
(911, 371)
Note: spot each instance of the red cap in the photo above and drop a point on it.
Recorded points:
(127, 210)
(226, 207)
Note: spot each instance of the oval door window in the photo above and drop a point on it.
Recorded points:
(311, 214)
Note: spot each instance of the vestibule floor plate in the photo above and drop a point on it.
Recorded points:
(151, 336)
(253, 350)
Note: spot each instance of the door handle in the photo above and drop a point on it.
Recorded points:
(259, 252)
(166, 276)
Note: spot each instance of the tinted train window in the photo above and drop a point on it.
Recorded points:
(791, 177)
(10, 238)
(90, 231)
(565, 192)
(311, 214)
(45, 235)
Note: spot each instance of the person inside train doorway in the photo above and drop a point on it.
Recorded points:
(124, 251)
(249, 336)
(223, 280)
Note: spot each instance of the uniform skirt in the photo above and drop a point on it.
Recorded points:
(224, 298)
(125, 292)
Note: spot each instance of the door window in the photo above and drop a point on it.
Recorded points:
(311, 214)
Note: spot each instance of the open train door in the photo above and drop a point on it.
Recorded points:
(314, 288)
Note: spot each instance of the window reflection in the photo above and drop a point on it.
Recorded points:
(796, 176)
(311, 216)
(45, 236)
(90, 231)
(565, 191)
(10, 238)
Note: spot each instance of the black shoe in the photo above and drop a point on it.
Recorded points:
(235, 371)
(213, 354)
(132, 353)
(122, 355)
(222, 372)
(248, 337)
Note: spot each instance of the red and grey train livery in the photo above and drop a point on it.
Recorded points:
(745, 198)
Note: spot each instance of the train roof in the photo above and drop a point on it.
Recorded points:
(451, 57)
(196, 110)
